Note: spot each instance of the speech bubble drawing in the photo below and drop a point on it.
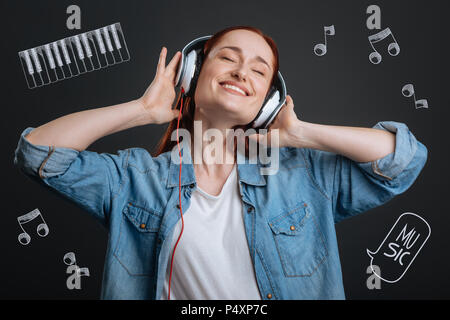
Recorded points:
(400, 247)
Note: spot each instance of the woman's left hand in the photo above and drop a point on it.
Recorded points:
(287, 124)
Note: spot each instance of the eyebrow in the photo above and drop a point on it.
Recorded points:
(239, 50)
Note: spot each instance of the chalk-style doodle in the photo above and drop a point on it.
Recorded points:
(393, 48)
(400, 247)
(73, 281)
(75, 55)
(321, 48)
(42, 229)
(69, 258)
(408, 92)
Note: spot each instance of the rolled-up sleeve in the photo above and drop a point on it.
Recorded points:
(406, 145)
(355, 187)
(89, 179)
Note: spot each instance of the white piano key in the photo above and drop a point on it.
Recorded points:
(115, 36)
(57, 55)
(78, 46)
(86, 45)
(26, 56)
(49, 55)
(101, 45)
(37, 64)
(108, 39)
(65, 52)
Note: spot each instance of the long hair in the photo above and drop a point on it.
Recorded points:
(187, 120)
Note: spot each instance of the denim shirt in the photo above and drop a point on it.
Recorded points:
(289, 216)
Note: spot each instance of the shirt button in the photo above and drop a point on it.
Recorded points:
(142, 226)
(250, 209)
(159, 241)
(178, 206)
(305, 205)
(269, 296)
(292, 228)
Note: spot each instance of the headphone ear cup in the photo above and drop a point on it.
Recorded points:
(198, 67)
(269, 110)
(259, 117)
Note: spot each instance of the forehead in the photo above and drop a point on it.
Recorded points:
(251, 43)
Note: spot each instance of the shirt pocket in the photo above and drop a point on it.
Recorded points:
(299, 241)
(136, 245)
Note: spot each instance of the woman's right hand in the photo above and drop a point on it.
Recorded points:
(158, 98)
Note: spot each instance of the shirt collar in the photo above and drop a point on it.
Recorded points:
(248, 173)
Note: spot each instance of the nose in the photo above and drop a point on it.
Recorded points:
(240, 73)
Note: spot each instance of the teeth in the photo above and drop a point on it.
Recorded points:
(234, 88)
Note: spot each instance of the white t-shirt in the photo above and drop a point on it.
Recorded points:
(212, 260)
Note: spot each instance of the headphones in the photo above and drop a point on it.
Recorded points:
(189, 71)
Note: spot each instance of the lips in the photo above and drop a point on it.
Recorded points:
(232, 83)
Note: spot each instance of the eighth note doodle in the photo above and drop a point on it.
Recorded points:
(408, 92)
(320, 49)
(42, 229)
(393, 48)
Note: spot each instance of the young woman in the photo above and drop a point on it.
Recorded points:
(245, 235)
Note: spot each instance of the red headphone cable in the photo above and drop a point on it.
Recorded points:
(179, 191)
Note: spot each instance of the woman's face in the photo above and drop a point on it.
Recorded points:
(242, 59)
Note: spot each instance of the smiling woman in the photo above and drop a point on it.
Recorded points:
(228, 55)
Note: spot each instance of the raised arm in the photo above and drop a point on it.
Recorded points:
(357, 144)
(355, 168)
(79, 130)
(54, 154)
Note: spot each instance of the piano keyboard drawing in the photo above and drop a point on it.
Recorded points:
(74, 55)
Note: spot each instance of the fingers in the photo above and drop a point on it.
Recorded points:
(162, 61)
(173, 63)
(171, 68)
(289, 101)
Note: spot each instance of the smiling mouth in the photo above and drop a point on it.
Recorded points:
(233, 90)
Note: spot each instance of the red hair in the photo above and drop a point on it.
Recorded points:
(187, 119)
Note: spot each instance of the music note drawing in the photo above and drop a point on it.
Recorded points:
(320, 49)
(408, 92)
(42, 229)
(393, 48)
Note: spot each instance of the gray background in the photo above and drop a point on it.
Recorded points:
(340, 88)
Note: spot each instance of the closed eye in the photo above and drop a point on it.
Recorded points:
(225, 58)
